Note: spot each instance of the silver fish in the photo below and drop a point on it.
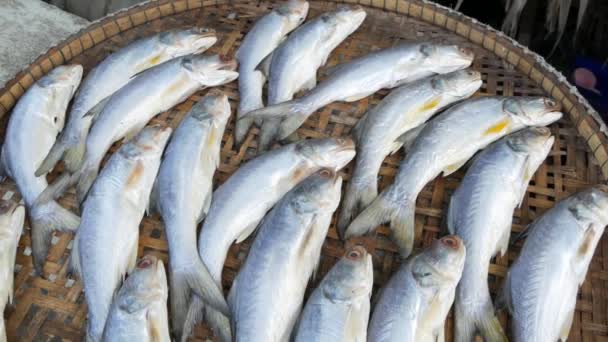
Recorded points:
(183, 192)
(415, 302)
(139, 310)
(12, 216)
(267, 294)
(443, 146)
(379, 132)
(338, 310)
(241, 202)
(305, 50)
(364, 76)
(260, 41)
(151, 93)
(32, 128)
(105, 247)
(481, 213)
(111, 74)
(541, 287)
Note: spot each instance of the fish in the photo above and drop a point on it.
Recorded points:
(105, 246)
(32, 128)
(261, 40)
(379, 132)
(267, 293)
(361, 77)
(443, 146)
(305, 50)
(338, 310)
(511, 21)
(183, 192)
(12, 217)
(154, 91)
(414, 304)
(540, 289)
(481, 214)
(113, 73)
(139, 310)
(240, 203)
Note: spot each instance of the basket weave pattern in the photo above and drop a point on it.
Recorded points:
(54, 308)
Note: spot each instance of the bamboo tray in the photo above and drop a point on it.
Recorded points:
(54, 308)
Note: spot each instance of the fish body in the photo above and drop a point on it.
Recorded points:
(260, 41)
(238, 205)
(153, 92)
(183, 188)
(32, 129)
(541, 287)
(338, 310)
(105, 248)
(378, 132)
(110, 75)
(415, 302)
(12, 216)
(267, 294)
(442, 147)
(305, 50)
(481, 214)
(361, 77)
(139, 311)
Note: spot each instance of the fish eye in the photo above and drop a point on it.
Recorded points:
(144, 263)
(325, 173)
(354, 254)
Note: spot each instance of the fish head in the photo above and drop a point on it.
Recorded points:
(149, 143)
(442, 59)
(351, 278)
(532, 111)
(531, 139)
(441, 263)
(178, 43)
(213, 106)
(459, 84)
(332, 153)
(590, 205)
(320, 192)
(295, 11)
(211, 70)
(344, 20)
(147, 284)
(60, 84)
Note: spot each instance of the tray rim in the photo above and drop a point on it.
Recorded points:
(585, 119)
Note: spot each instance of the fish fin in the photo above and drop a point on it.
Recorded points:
(358, 128)
(74, 155)
(290, 124)
(57, 188)
(503, 243)
(407, 139)
(268, 134)
(206, 205)
(310, 83)
(55, 154)
(198, 278)
(3, 166)
(241, 129)
(147, 63)
(328, 71)
(471, 319)
(46, 217)
(451, 217)
(17, 220)
(457, 8)
(503, 300)
(525, 176)
(246, 232)
(566, 325)
(357, 97)
(132, 259)
(264, 66)
(382, 209)
(75, 257)
(193, 316)
(87, 177)
(158, 325)
(454, 167)
(582, 9)
(219, 323)
(359, 194)
(96, 109)
(243, 125)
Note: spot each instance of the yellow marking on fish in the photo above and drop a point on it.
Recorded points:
(174, 88)
(451, 168)
(497, 128)
(585, 247)
(155, 334)
(211, 137)
(150, 62)
(135, 175)
(429, 105)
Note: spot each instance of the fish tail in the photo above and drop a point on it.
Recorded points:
(240, 131)
(401, 216)
(268, 134)
(197, 278)
(86, 178)
(218, 322)
(52, 158)
(46, 217)
(292, 113)
(358, 195)
(74, 155)
(472, 319)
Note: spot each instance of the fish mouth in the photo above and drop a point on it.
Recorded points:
(356, 253)
(451, 242)
(227, 63)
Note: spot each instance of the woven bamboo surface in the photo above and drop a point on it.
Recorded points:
(54, 308)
